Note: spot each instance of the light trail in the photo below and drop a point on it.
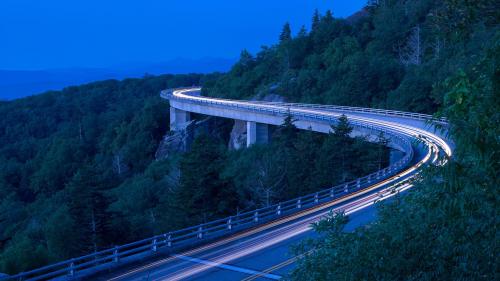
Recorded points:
(290, 231)
(393, 185)
(408, 130)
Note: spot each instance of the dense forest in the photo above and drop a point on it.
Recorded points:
(61, 156)
(78, 173)
(427, 56)
(392, 55)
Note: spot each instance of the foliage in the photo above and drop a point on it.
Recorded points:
(446, 228)
(390, 56)
(70, 160)
(78, 173)
(266, 174)
(77, 168)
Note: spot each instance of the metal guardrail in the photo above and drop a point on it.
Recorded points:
(167, 94)
(183, 238)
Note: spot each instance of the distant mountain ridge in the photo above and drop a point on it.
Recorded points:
(20, 83)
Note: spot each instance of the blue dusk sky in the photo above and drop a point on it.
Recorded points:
(46, 34)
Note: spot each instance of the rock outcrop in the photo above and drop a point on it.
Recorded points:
(180, 140)
(175, 141)
(238, 136)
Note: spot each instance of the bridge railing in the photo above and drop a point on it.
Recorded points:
(387, 112)
(188, 237)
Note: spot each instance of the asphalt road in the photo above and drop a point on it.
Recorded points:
(266, 252)
(268, 263)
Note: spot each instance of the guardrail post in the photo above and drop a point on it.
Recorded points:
(169, 240)
(346, 188)
(332, 192)
(369, 178)
(278, 209)
(229, 226)
(116, 257)
(299, 203)
(358, 183)
(316, 198)
(71, 271)
(256, 216)
(154, 247)
(200, 232)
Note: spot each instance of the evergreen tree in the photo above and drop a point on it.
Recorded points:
(301, 177)
(88, 206)
(315, 20)
(302, 32)
(328, 18)
(286, 33)
(333, 165)
(200, 186)
(286, 133)
(342, 129)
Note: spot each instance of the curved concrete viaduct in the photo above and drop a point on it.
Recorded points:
(254, 244)
(258, 115)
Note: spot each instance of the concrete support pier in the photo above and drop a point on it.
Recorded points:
(257, 133)
(178, 118)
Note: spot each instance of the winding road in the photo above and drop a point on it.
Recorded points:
(256, 245)
(263, 252)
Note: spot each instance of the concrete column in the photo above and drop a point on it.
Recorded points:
(251, 133)
(178, 118)
(257, 133)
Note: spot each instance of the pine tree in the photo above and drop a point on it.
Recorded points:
(328, 18)
(88, 206)
(302, 32)
(287, 132)
(301, 177)
(333, 165)
(245, 58)
(342, 128)
(315, 20)
(286, 33)
(201, 186)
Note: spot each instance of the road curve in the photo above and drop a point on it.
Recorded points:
(255, 245)
(237, 256)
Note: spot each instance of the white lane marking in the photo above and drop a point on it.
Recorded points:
(229, 267)
(365, 202)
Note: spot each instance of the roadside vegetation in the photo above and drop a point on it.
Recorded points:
(446, 228)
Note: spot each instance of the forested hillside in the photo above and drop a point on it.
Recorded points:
(422, 56)
(78, 174)
(61, 154)
(390, 55)
(77, 170)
